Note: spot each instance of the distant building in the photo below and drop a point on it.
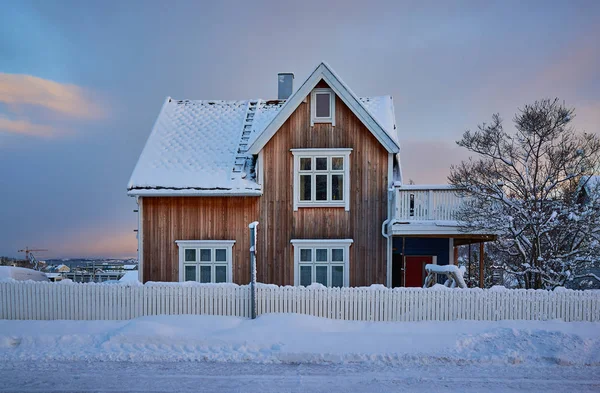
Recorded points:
(62, 268)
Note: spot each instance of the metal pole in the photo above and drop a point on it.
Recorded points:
(252, 227)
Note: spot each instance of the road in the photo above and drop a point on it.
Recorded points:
(252, 377)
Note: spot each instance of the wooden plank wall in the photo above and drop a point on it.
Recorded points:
(167, 219)
(368, 200)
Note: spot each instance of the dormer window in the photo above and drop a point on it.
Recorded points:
(322, 106)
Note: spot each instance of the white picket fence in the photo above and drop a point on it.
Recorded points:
(46, 301)
(90, 301)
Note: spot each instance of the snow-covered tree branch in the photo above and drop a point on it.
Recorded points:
(525, 186)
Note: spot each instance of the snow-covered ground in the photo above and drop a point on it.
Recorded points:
(285, 352)
(294, 338)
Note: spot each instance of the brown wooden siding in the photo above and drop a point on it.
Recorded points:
(167, 219)
(368, 200)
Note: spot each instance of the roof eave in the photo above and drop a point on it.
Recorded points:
(167, 192)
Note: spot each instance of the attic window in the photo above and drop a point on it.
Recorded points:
(322, 106)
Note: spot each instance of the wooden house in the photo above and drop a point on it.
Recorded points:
(318, 168)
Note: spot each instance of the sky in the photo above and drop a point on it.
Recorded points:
(81, 84)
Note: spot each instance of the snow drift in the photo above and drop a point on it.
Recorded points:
(294, 338)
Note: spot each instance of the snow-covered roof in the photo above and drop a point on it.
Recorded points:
(131, 276)
(202, 147)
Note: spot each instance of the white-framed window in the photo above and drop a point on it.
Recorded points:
(205, 261)
(321, 178)
(325, 262)
(322, 107)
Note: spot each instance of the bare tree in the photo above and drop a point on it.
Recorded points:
(524, 187)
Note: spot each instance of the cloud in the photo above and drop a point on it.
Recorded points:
(25, 127)
(24, 95)
(67, 99)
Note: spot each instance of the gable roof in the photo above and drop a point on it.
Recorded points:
(200, 147)
(387, 136)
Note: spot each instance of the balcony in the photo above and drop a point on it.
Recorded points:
(425, 210)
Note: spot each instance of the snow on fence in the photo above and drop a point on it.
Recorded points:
(38, 300)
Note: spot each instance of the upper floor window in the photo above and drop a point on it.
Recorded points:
(205, 261)
(321, 178)
(322, 106)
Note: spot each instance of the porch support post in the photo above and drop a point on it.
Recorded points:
(481, 265)
(469, 272)
(456, 255)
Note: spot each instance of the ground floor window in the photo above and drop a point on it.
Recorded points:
(322, 261)
(205, 261)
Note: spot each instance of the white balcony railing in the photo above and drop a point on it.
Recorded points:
(426, 202)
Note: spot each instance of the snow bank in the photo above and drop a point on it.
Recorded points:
(294, 338)
(13, 273)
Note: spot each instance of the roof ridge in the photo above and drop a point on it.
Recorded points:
(339, 87)
(193, 101)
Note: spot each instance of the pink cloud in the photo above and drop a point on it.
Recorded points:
(25, 127)
(66, 99)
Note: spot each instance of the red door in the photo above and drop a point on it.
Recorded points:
(415, 270)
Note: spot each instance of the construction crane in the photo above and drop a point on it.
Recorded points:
(30, 257)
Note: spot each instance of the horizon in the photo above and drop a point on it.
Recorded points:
(81, 85)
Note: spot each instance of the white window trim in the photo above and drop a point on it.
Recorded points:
(227, 244)
(316, 243)
(298, 153)
(313, 107)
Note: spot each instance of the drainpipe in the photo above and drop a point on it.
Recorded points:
(384, 228)
(385, 233)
